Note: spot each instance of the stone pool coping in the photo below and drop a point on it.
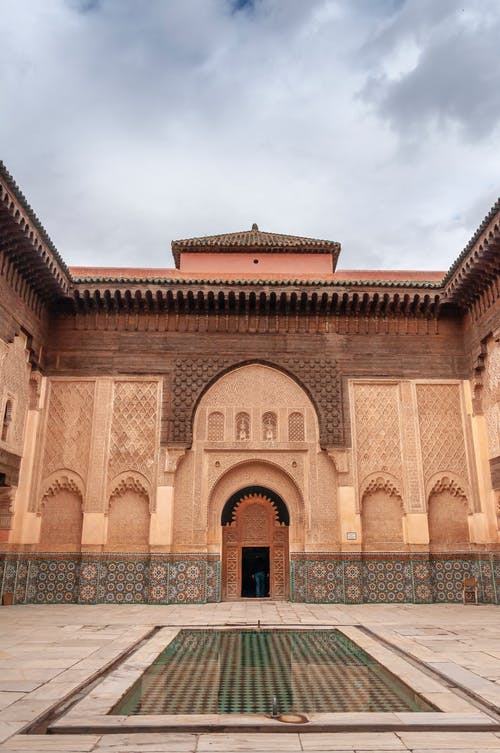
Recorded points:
(91, 714)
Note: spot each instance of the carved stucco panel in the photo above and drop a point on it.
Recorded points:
(319, 375)
(14, 384)
(219, 463)
(68, 426)
(252, 473)
(324, 528)
(134, 429)
(376, 430)
(441, 430)
(491, 396)
(184, 500)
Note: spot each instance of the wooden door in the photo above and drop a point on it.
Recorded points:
(255, 524)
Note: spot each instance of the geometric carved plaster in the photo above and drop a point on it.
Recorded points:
(14, 386)
(452, 484)
(380, 482)
(318, 377)
(377, 444)
(129, 482)
(250, 473)
(63, 480)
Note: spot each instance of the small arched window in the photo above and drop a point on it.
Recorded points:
(269, 427)
(296, 427)
(216, 427)
(7, 419)
(242, 427)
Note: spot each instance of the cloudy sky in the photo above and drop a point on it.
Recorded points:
(376, 123)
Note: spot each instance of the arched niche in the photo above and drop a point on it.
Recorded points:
(128, 514)
(382, 520)
(265, 397)
(267, 479)
(61, 516)
(448, 511)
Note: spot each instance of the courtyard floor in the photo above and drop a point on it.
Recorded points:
(48, 653)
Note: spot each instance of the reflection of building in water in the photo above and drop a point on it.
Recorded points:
(140, 409)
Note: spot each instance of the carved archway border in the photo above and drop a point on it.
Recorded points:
(246, 497)
(319, 378)
(59, 481)
(255, 492)
(130, 481)
(219, 495)
(380, 482)
(449, 482)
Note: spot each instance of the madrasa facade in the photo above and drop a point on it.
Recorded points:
(253, 419)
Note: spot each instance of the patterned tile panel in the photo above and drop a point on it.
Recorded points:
(422, 580)
(387, 581)
(190, 579)
(123, 580)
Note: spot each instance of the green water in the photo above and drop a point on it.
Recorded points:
(239, 672)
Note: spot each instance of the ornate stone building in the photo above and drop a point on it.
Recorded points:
(167, 435)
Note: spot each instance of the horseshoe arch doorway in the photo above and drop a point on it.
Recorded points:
(255, 562)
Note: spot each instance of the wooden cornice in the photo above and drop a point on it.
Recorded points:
(477, 268)
(265, 301)
(25, 244)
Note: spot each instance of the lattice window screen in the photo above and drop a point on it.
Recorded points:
(296, 431)
(216, 427)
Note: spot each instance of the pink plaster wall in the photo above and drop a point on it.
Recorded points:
(293, 264)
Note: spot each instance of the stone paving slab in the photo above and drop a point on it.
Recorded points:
(48, 651)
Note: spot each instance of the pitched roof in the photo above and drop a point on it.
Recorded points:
(246, 240)
(354, 277)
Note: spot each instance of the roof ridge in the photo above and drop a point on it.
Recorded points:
(13, 186)
(480, 230)
(255, 231)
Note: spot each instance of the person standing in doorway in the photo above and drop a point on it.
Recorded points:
(260, 578)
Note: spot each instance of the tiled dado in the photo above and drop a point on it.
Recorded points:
(192, 578)
(392, 578)
(110, 579)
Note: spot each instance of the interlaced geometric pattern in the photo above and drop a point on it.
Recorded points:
(377, 429)
(216, 427)
(134, 428)
(14, 381)
(441, 431)
(239, 672)
(296, 427)
(491, 399)
(69, 426)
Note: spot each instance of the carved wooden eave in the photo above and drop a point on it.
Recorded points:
(272, 297)
(26, 250)
(475, 273)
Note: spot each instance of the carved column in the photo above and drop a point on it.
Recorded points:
(162, 519)
(94, 521)
(350, 519)
(416, 529)
(26, 526)
(7, 494)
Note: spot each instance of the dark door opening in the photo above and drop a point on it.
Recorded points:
(254, 571)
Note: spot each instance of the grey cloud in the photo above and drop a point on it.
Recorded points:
(456, 80)
(130, 124)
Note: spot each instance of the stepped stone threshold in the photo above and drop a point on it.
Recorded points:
(63, 667)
